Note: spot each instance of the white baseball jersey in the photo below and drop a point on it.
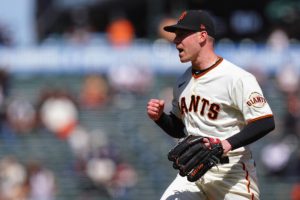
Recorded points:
(219, 102)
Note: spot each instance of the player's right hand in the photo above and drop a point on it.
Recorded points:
(155, 108)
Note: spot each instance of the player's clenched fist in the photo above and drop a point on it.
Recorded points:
(155, 108)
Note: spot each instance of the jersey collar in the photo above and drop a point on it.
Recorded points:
(199, 73)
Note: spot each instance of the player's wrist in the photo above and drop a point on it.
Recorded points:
(159, 118)
(226, 146)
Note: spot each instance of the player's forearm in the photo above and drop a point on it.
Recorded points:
(171, 125)
(252, 132)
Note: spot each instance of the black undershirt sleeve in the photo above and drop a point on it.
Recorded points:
(172, 125)
(252, 132)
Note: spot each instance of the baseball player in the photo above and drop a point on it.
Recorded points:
(216, 99)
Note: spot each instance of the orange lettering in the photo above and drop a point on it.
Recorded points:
(205, 102)
(194, 103)
(183, 106)
(213, 111)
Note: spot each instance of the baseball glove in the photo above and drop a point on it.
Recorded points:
(193, 158)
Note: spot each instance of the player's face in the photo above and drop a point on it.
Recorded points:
(187, 45)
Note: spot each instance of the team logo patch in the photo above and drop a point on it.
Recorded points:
(256, 100)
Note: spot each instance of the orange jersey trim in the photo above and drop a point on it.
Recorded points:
(212, 67)
(248, 181)
(258, 118)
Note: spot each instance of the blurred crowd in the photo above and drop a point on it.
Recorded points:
(55, 110)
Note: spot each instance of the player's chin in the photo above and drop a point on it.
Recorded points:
(184, 60)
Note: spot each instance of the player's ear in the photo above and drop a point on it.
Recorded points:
(202, 36)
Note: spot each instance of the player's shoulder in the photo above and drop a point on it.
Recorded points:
(234, 71)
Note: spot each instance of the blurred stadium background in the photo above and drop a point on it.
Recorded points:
(76, 75)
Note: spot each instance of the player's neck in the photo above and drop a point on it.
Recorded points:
(205, 62)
